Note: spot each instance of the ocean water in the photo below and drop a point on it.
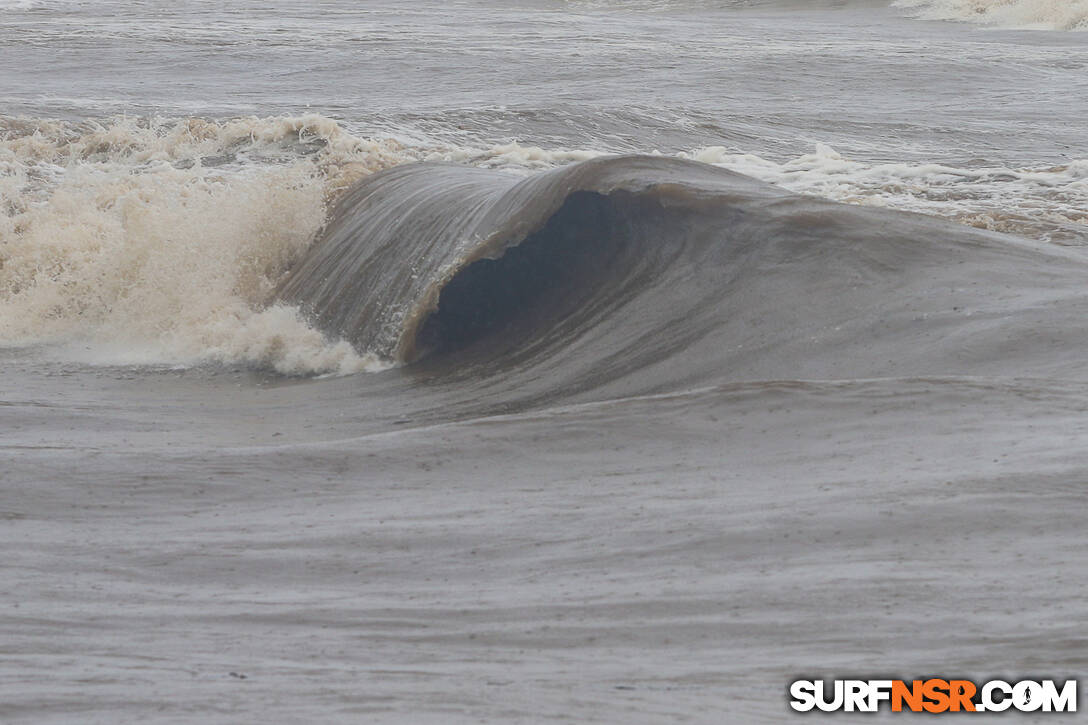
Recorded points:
(550, 360)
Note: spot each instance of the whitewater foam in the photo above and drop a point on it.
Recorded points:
(157, 242)
(1048, 203)
(1027, 14)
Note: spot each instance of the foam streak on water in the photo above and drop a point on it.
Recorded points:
(1032, 14)
(1049, 203)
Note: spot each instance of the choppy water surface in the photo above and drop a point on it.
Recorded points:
(297, 427)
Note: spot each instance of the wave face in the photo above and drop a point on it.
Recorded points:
(645, 273)
(398, 268)
(1033, 14)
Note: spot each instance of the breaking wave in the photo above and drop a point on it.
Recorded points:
(645, 273)
(164, 241)
(146, 242)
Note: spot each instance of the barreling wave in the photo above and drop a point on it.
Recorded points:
(164, 241)
(1028, 14)
(411, 259)
(660, 272)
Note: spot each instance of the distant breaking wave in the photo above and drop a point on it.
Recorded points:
(1034, 14)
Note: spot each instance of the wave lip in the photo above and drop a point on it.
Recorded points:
(1026, 14)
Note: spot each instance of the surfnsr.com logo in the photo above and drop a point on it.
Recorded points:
(933, 696)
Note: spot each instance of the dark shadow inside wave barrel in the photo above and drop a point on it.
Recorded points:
(493, 305)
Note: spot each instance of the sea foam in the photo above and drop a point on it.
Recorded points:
(1027, 14)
